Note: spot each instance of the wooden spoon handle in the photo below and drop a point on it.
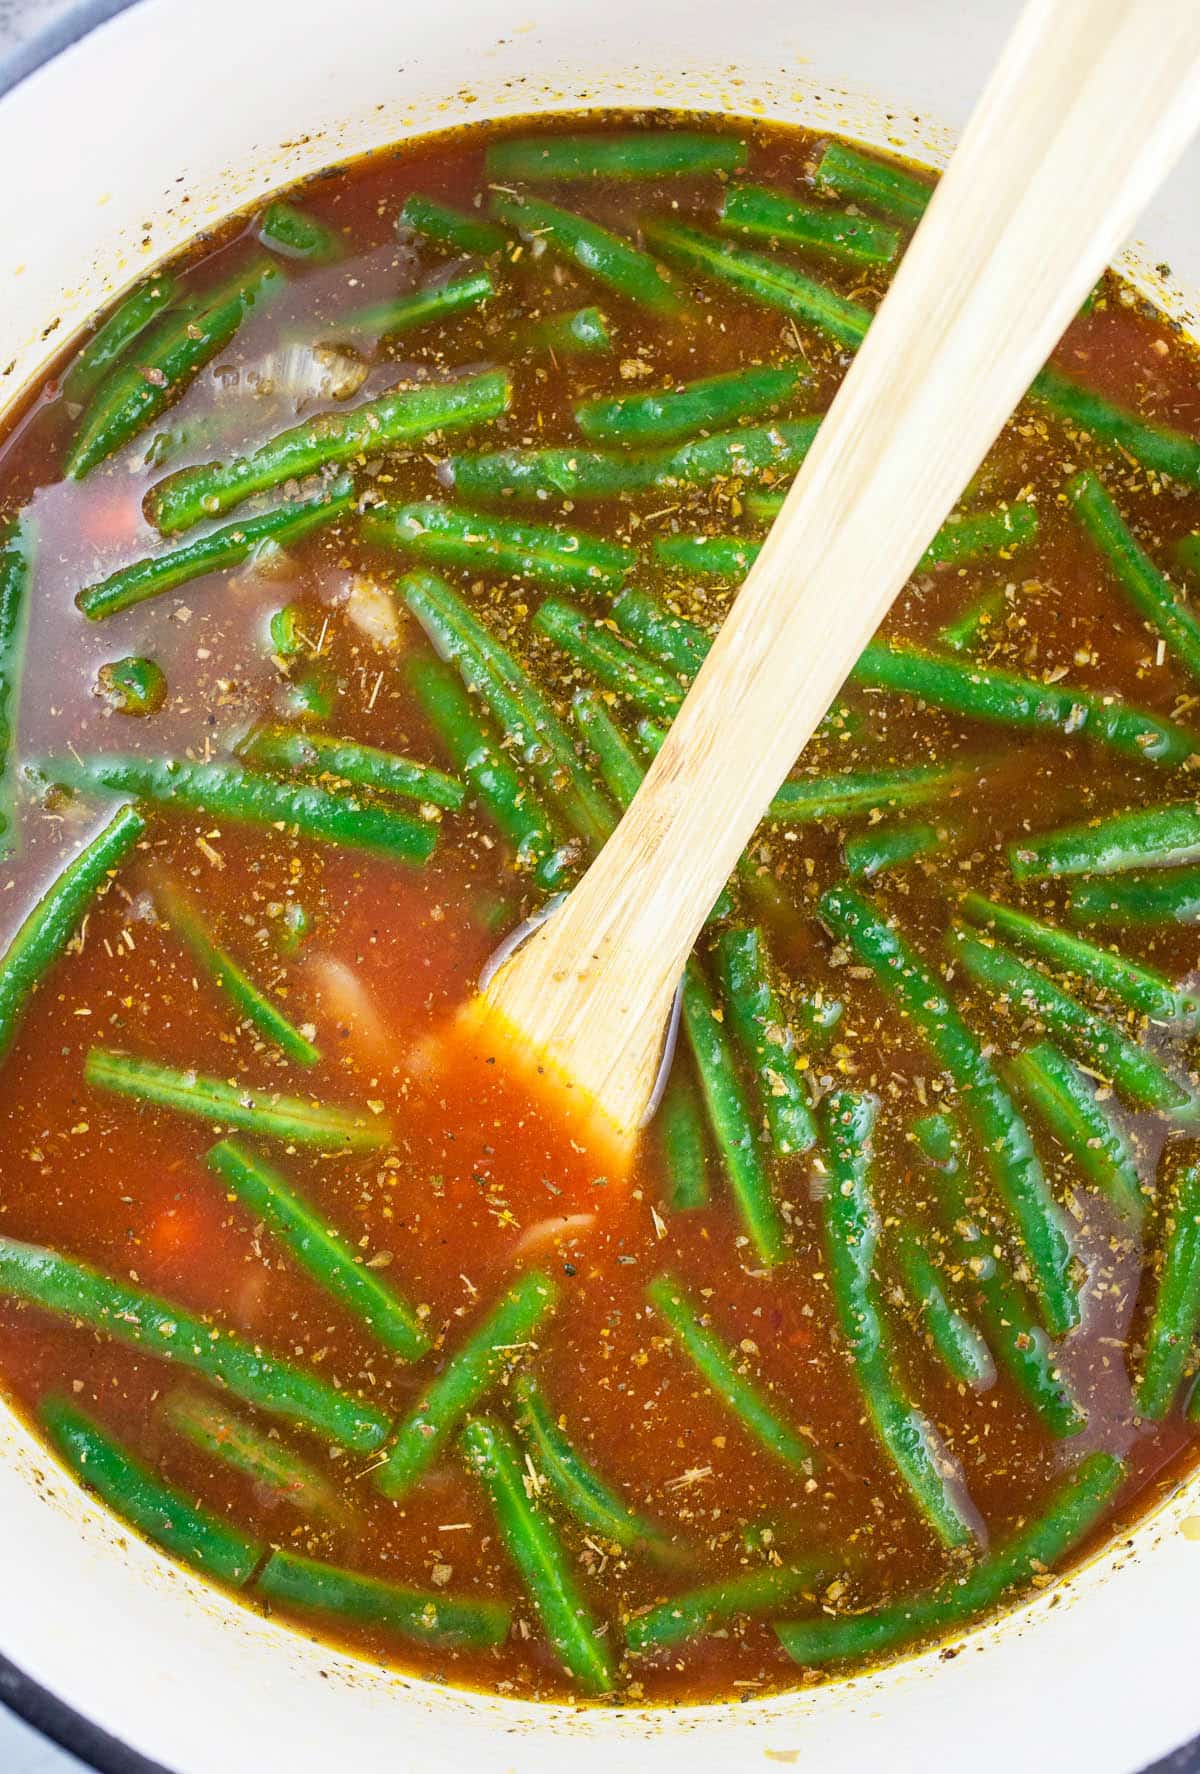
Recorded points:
(1091, 103)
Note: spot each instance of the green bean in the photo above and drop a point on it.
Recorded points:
(672, 640)
(888, 847)
(450, 227)
(721, 560)
(509, 802)
(731, 1120)
(267, 1113)
(647, 154)
(1017, 1340)
(581, 332)
(1187, 551)
(286, 632)
(668, 415)
(295, 234)
(1146, 837)
(1078, 1118)
(132, 686)
(622, 268)
(249, 1002)
(786, 221)
(1142, 988)
(524, 714)
(539, 1555)
(127, 322)
(49, 927)
(403, 314)
(1151, 594)
(509, 1329)
(219, 1432)
(720, 1367)
(1001, 1132)
(213, 553)
(857, 794)
(453, 1622)
(881, 184)
(700, 1611)
(1171, 897)
(72, 1290)
(1133, 1071)
(570, 473)
(1072, 1512)
(185, 1529)
(401, 416)
(621, 770)
(578, 1485)
(954, 1339)
(311, 693)
(1175, 1313)
(324, 1254)
(226, 791)
(816, 1017)
(762, 1033)
(134, 394)
(985, 694)
(761, 278)
(967, 631)
(16, 578)
(680, 1123)
(545, 553)
(1156, 447)
(610, 660)
(852, 1233)
(281, 748)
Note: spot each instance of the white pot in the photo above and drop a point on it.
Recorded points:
(146, 122)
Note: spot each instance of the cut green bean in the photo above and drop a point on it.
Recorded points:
(731, 1119)
(763, 279)
(1001, 697)
(816, 1017)
(1073, 1511)
(581, 474)
(1132, 1069)
(132, 686)
(225, 791)
(311, 694)
(700, 1611)
(954, 1339)
(213, 553)
(454, 228)
(880, 184)
(680, 1125)
(430, 1617)
(16, 579)
(762, 1033)
(802, 800)
(887, 847)
(285, 631)
(267, 1113)
(1169, 897)
(295, 234)
(402, 416)
(72, 1290)
(249, 1002)
(281, 748)
(1142, 988)
(621, 770)
(1146, 837)
(672, 640)
(403, 314)
(539, 1555)
(852, 1234)
(1058, 1092)
(1187, 551)
(49, 927)
(720, 1368)
(580, 332)
(648, 154)
(667, 415)
(973, 627)
(1149, 591)
(525, 716)
(1156, 447)
(1002, 1134)
(545, 553)
(721, 560)
(608, 658)
(510, 803)
(496, 1344)
(622, 268)
(127, 322)
(1175, 1313)
(579, 1487)
(776, 216)
(324, 1254)
(223, 1435)
(185, 1529)
(132, 395)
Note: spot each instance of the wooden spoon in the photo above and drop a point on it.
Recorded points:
(1089, 107)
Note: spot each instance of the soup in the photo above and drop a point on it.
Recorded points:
(355, 565)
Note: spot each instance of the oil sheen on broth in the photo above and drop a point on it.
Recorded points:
(705, 1431)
